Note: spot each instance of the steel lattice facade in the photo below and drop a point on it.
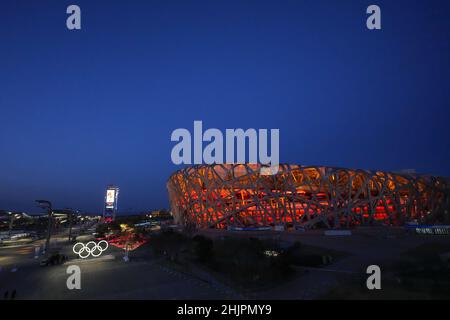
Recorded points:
(236, 195)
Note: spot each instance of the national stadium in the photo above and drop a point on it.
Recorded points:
(227, 196)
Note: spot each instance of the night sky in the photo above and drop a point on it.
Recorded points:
(83, 109)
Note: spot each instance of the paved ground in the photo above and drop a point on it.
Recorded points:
(145, 277)
(364, 248)
(107, 277)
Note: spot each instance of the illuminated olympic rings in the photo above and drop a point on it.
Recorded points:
(90, 249)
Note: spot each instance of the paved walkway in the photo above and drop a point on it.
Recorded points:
(363, 249)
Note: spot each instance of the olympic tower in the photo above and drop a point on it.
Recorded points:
(110, 207)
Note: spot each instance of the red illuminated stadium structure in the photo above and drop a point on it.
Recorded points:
(236, 195)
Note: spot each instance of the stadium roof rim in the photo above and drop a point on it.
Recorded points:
(258, 165)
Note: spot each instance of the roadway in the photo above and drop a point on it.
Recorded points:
(106, 277)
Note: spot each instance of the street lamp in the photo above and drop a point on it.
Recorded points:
(47, 205)
(70, 212)
(11, 221)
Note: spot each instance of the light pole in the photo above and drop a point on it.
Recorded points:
(11, 221)
(12, 217)
(47, 205)
(70, 213)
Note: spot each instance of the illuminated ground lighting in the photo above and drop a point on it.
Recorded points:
(130, 241)
(236, 195)
(130, 246)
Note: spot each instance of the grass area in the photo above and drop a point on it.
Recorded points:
(423, 269)
(419, 273)
(313, 256)
(245, 263)
(427, 250)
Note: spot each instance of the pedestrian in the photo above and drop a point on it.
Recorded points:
(5, 296)
(13, 294)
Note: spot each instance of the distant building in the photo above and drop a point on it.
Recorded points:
(160, 214)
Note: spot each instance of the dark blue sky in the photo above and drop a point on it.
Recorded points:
(83, 109)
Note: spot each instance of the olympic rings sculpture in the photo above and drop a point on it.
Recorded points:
(90, 249)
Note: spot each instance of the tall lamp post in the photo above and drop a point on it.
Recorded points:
(12, 217)
(11, 221)
(47, 205)
(70, 213)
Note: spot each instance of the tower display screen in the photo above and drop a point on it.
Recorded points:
(110, 198)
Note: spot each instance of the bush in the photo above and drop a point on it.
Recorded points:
(169, 243)
(246, 260)
(101, 230)
(203, 249)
